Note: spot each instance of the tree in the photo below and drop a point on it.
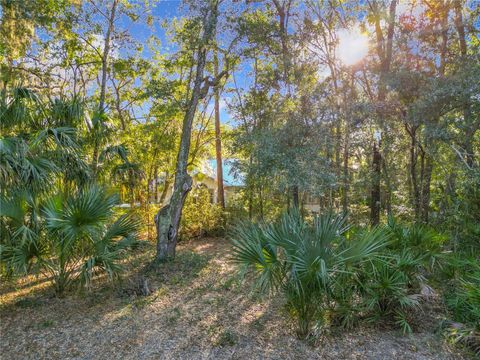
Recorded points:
(384, 46)
(218, 139)
(168, 218)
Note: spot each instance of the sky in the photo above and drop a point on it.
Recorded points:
(352, 48)
(166, 10)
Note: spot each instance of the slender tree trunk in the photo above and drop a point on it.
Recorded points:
(471, 125)
(218, 139)
(388, 187)
(250, 204)
(375, 196)
(430, 147)
(415, 192)
(346, 180)
(384, 52)
(282, 11)
(169, 216)
(428, 170)
(260, 194)
(103, 84)
(250, 188)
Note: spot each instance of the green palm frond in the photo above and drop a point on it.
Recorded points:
(367, 245)
(113, 151)
(80, 215)
(63, 137)
(122, 228)
(109, 249)
(251, 249)
(304, 260)
(66, 112)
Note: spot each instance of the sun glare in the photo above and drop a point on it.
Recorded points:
(352, 47)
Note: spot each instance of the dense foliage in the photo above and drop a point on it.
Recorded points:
(110, 111)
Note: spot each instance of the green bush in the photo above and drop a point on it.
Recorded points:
(330, 272)
(201, 217)
(311, 264)
(423, 243)
(462, 298)
(68, 238)
(391, 287)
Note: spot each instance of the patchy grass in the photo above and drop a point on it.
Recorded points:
(191, 308)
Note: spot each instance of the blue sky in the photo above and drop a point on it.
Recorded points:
(168, 10)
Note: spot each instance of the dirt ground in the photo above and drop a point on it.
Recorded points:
(197, 309)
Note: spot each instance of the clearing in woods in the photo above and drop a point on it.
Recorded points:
(195, 309)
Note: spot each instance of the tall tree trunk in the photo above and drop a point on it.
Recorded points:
(260, 196)
(388, 187)
(427, 179)
(282, 11)
(250, 189)
(218, 139)
(430, 147)
(169, 216)
(384, 52)
(346, 141)
(375, 195)
(471, 125)
(346, 180)
(415, 192)
(103, 84)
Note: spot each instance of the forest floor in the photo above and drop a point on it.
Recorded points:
(197, 309)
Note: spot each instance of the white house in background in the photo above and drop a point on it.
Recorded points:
(206, 176)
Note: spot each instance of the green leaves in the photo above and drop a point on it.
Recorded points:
(252, 249)
(110, 248)
(74, 219)
(69, 231)
(307, 262)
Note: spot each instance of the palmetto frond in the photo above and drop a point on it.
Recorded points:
(80, 231)
(66, 112)
(16, 110)
(304, 260)
(113, 151)
(118, 237)
(19, 231)
(61, 137)
(80, 215)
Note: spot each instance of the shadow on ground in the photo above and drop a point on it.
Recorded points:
(195, 308)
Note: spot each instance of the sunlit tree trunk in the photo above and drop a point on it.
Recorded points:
(103, 83)
(169, 216)
(471, 126)
(384, 52)
(218, 139)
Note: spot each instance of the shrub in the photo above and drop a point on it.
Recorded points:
(70, 238)
(462, 298)
(309, 264)
(420, 241)
(201, 217)
(390, 287)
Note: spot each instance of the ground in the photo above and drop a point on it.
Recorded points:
(197, 309)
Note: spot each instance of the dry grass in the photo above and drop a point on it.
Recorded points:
(197, 309)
